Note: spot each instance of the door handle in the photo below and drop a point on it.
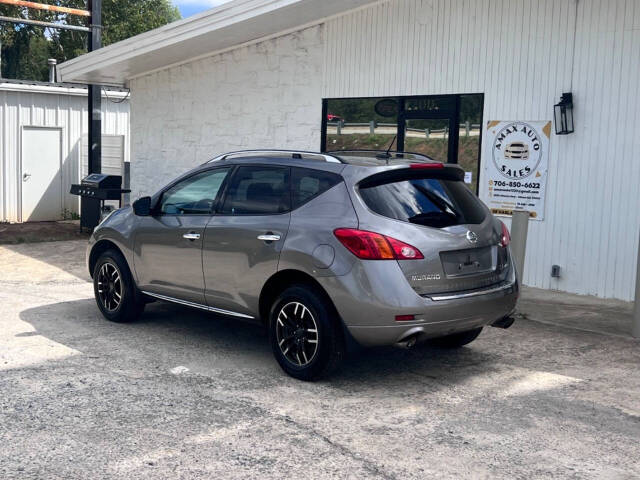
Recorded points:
(269, 237)
(26, 176)
(191, 236)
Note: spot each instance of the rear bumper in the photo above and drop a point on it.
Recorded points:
(370, 297)
(461, 314)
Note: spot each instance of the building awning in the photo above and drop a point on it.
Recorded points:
(232, 24)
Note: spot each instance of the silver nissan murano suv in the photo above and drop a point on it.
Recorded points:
(325, 250)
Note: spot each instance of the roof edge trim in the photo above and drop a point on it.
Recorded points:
(174, 33)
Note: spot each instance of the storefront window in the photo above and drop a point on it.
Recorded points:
(470, 134)
(446, 128)
(427, 136)
(353, 124)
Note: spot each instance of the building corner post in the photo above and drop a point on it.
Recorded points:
(519, 232)
(635, 325)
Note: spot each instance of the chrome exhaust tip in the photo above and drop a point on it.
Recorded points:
(504, 322)
(408, 342)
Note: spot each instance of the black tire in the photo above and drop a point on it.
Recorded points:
(457, 340)
(301, 360)
(130, 305)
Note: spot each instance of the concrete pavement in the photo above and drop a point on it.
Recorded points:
(183, 394)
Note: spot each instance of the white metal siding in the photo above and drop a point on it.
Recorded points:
(113, 159)
(519, 54)
(113, 153)
(24, 108)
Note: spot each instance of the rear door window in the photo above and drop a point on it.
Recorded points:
(258, 190)
(432, 202)
(307, 184)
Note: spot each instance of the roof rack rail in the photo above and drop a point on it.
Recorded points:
(294, 154)
(382, 154)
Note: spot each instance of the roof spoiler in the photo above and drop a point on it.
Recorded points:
(415, 171)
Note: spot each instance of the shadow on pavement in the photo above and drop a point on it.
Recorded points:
(606, 316)
(169, 335)
(45, 261)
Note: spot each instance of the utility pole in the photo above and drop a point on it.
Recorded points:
(95, 91)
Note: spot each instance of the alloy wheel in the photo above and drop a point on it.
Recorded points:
(109, 287)
(297, 334)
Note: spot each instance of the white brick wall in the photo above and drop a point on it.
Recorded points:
(266, 95)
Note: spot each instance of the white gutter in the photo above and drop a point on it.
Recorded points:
(164, 36)
(56, 90)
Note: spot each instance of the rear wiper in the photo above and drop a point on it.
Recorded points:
(440, 202)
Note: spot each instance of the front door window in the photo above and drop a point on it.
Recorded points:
(195, 195)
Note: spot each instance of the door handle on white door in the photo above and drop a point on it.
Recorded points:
(26, 176)
(191, 236)
(269, 237)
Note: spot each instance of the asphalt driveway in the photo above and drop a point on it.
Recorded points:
(183, 394)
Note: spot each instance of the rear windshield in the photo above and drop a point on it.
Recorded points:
(431, 202)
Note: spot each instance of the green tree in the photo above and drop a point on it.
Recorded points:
(126, 19)
(25, 48)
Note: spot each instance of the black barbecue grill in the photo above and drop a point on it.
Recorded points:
(94, 190)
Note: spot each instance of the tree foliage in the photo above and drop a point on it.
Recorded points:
(25, 48)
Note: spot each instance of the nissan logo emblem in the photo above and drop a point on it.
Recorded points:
(472, 237)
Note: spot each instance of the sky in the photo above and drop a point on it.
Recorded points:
(191, 7)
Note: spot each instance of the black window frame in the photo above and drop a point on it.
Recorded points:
(158, 203)
(452, 114)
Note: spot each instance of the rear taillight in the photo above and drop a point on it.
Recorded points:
(366, 245)
(505, 238)
(374, 246)
(404, 251)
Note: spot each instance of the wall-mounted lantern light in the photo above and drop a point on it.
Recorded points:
(563, 113)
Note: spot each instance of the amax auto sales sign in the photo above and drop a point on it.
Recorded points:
(515, 161)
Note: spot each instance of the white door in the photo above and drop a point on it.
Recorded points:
(41, 179)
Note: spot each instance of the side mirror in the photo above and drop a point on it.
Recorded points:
(142, 207)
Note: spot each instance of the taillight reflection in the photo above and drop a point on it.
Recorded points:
(505, 238)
